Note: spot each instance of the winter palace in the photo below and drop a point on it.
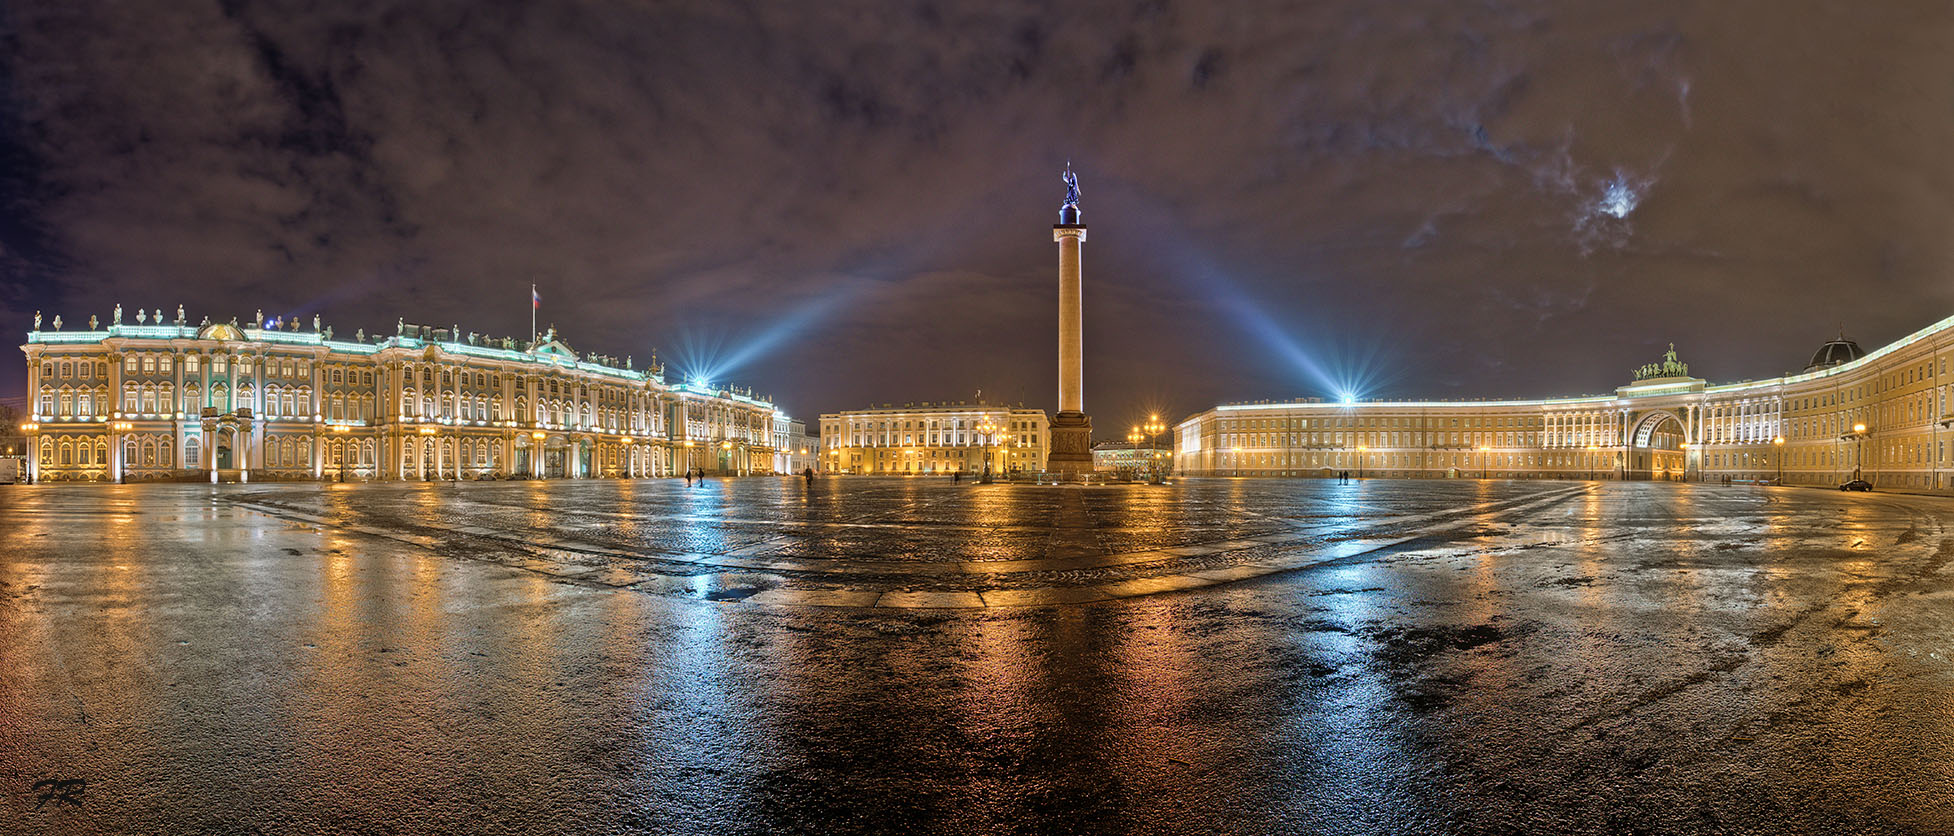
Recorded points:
(1883, 416)
(154, 400)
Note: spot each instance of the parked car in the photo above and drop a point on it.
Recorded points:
(1857, 485)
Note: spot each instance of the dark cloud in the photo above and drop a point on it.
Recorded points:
(850, 201)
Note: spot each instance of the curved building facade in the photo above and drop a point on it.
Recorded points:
(158, 401)
(1883, 416)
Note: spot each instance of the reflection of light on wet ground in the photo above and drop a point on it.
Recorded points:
(1664, 650)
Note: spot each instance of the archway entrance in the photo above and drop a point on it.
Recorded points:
(1658, 452)
(556, 458)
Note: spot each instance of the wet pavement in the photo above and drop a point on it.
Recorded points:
(913, 656)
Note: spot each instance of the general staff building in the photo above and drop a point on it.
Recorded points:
(1883, 416)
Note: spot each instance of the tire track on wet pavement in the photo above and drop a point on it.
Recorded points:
(1913, 574)
(830, 582)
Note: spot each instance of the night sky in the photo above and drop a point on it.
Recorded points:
(846, 203)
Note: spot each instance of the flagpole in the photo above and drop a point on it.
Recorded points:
(532, 315)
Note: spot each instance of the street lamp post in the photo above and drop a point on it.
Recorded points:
(985, 431)
(1362, 454)
(1134, 439)
(341, 429)
(1154, 428)
(1485, 461)
(1858, 437)
(1778, 454)
(1591, 452)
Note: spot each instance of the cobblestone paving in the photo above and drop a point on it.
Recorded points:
(913, 656)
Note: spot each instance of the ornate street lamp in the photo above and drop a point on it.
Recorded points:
(342, 429)
(1779, 455)
(1154, 428)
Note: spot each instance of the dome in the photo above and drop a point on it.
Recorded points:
(1835, 352)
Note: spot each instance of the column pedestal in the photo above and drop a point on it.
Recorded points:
(1071, 451)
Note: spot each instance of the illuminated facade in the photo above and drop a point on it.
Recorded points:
(794, 451)
(935, 438)
(1882, 415)
(160, 400)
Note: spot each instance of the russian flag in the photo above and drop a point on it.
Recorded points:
(535, 299)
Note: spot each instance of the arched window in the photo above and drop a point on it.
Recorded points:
(304, 452)
(131, 453)
(192, 452)
(101, 452)
(366, 452)
(192, 399)
(166, 395)
(85, 404)
(129, 397)
(148, 398)
(163, 454)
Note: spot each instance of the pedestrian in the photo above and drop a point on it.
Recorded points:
(956, 477)
(808, 474)
(688, 477)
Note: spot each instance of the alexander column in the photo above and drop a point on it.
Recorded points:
(1071, 450)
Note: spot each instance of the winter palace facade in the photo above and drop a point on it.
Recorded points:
(1883, 416)
(161, 400)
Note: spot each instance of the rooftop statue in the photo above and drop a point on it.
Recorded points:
(1071, 181)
